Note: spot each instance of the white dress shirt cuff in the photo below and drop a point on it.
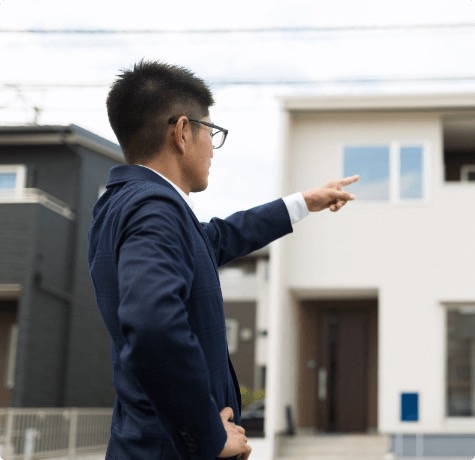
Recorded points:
(296, 207)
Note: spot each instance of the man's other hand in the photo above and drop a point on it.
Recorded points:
(236, 443)
(330, 195)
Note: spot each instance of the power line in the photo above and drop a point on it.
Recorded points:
(260, 30)
(260, 82)
(53, 85)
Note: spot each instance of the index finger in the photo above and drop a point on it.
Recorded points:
(349, 180)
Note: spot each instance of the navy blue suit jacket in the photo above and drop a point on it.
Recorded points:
(155, 272)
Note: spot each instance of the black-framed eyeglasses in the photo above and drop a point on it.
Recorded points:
(218, 134)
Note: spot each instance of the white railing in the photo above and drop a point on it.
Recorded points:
(29, 434)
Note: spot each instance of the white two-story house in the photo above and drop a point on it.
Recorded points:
(373, 308)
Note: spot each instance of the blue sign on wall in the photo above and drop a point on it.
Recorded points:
(409, 407)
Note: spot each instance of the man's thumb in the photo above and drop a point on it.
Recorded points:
(227, 414)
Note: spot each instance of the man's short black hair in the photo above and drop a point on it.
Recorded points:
(144, 98)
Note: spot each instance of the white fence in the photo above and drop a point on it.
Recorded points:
(31, 434)
(416, 446)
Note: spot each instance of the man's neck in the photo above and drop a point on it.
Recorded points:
(184, 195)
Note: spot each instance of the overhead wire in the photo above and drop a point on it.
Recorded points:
(260, 30)
(49, 86)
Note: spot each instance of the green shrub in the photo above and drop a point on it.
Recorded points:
(248, 396)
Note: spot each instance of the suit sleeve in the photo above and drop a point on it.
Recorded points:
(247, 231)
(155, 268)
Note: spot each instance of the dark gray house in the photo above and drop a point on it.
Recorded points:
(54, 349)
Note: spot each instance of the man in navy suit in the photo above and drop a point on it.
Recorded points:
(155, 270)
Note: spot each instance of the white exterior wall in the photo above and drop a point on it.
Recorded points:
(414, 256)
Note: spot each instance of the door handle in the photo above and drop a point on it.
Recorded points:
(322, 384)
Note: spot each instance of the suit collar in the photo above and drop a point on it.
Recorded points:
(185, 197)
(124, 173)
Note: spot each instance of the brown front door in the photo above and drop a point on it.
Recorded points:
(345, 367)
(7, 321)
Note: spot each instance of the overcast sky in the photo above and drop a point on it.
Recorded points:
(192, 14)
(250, 52)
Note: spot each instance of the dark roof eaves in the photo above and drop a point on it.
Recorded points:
(59, 134)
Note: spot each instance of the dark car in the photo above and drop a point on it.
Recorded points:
(252, 418)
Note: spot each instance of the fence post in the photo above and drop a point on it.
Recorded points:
(9, 433)
(29, 443)
(73, 426)
(419, 445)
(399, 445)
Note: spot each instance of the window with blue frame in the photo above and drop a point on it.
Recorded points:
(12, 177)
(388, 172)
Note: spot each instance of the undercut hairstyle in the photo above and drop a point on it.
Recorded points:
(144, 98)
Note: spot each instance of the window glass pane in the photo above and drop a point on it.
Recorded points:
(461, 362)
(410, 172)
(372, 164)
(7, 180)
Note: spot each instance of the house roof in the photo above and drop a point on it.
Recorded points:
(439, 101)
(56, 135)
(458, 109)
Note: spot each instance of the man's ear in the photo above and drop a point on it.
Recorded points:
(181, 134)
